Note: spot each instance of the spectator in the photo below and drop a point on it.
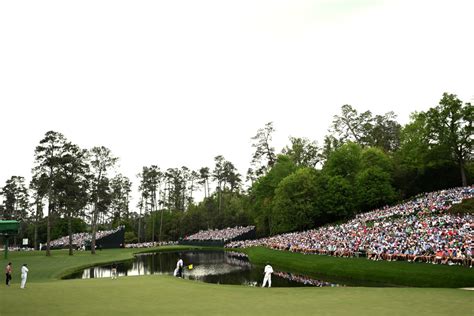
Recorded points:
(8, 273)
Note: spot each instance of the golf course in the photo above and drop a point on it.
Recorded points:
(421, 289)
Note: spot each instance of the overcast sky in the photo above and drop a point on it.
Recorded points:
(176, 83)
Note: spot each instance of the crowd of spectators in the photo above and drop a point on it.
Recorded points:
(417, 230)
(151, 244)
(79, 240)
(225, 234)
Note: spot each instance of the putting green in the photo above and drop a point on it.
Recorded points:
(162, 295)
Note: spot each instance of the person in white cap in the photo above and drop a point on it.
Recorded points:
(268, 275)
(24, 275)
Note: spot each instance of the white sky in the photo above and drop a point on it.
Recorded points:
(176, 83)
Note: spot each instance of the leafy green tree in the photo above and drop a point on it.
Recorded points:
(381, 131)
(414, 142)
(176, 187)
(46, 164)
(264, 156)
(121, 187)
(385, 132)
(193, 179)
(101, 161)
(263, 191)
(232, 178)
(336, 197)
(450, 129)
(204, 175)
(295, 202)
(15, 199)
(352, 126)
(38, 189)
(219, 176)
(357, 179)
(331, 143)
(16, 202)
(415, 163)
(373, 157)
(374, 181)
(374, 189)
(150, 182)
(303, 152)
(344, 161)
(72, 185)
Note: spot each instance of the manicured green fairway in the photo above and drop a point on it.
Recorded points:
(163, 295)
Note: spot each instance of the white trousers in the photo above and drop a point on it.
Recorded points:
(23, 281)
(267, 278)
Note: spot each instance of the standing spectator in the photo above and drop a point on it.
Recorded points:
(114, 270)
(24, 275)
(8, 273)
(268, 275)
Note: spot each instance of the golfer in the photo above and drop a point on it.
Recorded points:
(24, 275)
(179, 268)
(268, 275)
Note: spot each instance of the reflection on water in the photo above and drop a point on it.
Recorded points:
(208, 266)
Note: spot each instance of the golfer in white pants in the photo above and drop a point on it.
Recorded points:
(268, 275)
(24, 275)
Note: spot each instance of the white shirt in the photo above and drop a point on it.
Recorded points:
(24, 270)
(268, 270)
(179, 264)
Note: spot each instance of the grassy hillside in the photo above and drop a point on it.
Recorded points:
(350, 270)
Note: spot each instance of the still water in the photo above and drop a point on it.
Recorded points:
(221, 267)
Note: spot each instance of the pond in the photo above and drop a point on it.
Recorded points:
(221, 267)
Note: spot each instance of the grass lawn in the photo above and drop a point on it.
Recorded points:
(164, 295)
(350, 270)
(44, 268)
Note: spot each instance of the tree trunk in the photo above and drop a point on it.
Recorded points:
(140, 222)
(35, 236)
(153, 210)
(153, 227)
(48, 229)
(463, 173)
(161, 224)
(69, 229)
(220, 199)
(161, 220)
(94, 229)
(95, 213)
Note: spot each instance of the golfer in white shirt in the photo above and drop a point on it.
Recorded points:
(268, 275)
(24, 275)
(178, 272)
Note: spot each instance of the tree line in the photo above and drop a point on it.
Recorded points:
(366, 161)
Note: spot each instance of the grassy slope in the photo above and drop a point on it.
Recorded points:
(166, 295)
(351, 269)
